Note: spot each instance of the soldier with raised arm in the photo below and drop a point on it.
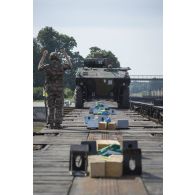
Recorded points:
(54, 86)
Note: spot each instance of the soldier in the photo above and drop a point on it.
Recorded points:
(54, 86)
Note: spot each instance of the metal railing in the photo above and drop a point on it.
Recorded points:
(146, 77)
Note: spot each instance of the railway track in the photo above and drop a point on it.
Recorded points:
(51, 156)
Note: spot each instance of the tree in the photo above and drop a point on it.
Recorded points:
(77, 61)
(50, 39)
(96, 52)
(38, 77)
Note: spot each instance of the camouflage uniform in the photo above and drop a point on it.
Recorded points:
(54, 86)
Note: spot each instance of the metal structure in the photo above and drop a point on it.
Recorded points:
(130, 144)
(98, 80)
(146, 77)
(92, 147)
(148, 109)
(132, 164)
(155, 100)
(149, 90)
(78, 161)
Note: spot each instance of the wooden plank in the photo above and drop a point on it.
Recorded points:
(51, 188)
(49, 173)
(51, 168)
(123, 186)
(49, 193)
(52, 178)
(154, 188)
(40, 164)
(51, 164)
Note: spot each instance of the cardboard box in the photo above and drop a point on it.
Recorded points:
(97, 165)
(114, 166)
(102, 125)
(100, 166)
(103, 143)
(112, 125)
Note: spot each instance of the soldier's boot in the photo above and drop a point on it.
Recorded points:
(58, 126)
(50, 126)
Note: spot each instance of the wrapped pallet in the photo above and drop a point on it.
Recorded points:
(103, 143)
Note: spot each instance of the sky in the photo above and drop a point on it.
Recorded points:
(131, 29)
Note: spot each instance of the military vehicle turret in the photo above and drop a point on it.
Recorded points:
(98, 80)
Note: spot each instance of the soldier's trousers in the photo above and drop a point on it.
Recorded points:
(55, 107)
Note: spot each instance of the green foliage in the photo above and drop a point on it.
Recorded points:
(50, 39)
(96, 52)
(68, 93)
(38, 93)
(77, 61)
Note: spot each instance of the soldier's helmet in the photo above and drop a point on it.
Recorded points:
(54, 56)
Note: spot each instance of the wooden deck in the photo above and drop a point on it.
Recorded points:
(51, 175)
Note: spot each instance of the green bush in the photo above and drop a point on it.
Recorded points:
(68, 93)
(38, 93)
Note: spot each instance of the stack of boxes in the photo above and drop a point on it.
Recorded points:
(115, 166)
(129, 162)
(112, 165)
(120, 124)
(101, 166)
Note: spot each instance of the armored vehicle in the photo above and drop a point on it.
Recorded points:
(98, 80)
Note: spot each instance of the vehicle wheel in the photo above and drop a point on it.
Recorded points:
(124, 99)
(78, 97)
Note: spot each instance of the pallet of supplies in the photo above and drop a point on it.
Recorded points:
(104, 143)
